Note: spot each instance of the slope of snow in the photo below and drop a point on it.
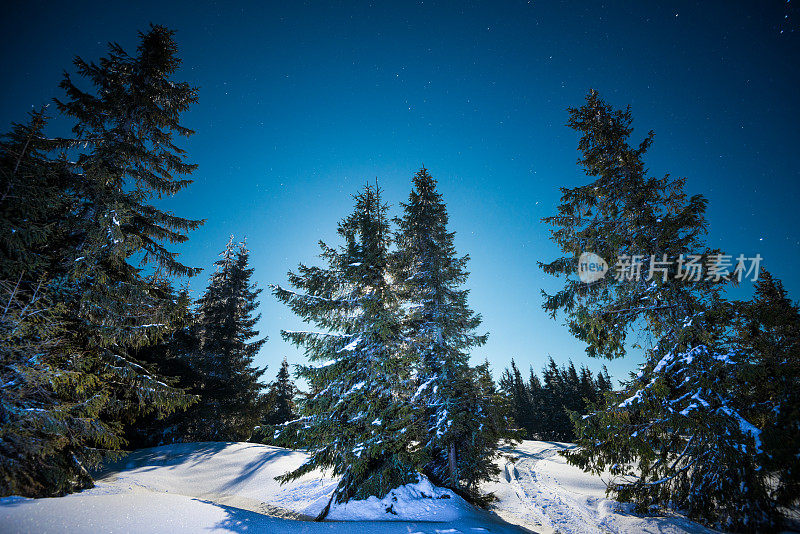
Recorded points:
(231, 487)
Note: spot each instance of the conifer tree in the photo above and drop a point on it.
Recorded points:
(520, 400)
(440, 327)
(173, 359)
(278, 423)
(766, 330)
(673, 435)
(538, 398)
(356, 420)
(636, 223)
(281, 396)
(676, 437)
(76, 224)
(231, 398)
(488, 428)
(543, 407)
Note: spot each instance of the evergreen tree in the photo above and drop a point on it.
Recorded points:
(281, 395)
(231, 398)
(674, 437)
(520, 401)
(543, 408)
(557, 423)
(77, 307)
(356, 420)
(767, 333)
(171, 358)
(538, 396)
(638, 224)
(673, 434)
(278, 424)
(487, 429)
(440, 328)
(604, 383)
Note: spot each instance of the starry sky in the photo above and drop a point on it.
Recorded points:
(302, 102)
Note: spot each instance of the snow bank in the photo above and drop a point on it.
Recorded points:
(231, 487)
(235, 474)
(421, 501)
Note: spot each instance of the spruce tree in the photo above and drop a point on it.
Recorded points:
(556, 386)
(231, 398)
(281, 395)
(673, 435)
(489, 428)
(676, 437)
(76, 224)
(520, 401)
(356, 420)
(543, 407)
(636, 223)
(766, 330)
(538, 398)
(440, 327)
(171, 358)
(278, 423)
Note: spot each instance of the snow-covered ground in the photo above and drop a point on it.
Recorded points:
(230, 487)
(542, 493)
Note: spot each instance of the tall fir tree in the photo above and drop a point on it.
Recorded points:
(231, 398)
(673, 435)
(522, 409)
(76, 225)
(766, 330)
(637, 223)
(441, 330)
(356, 420)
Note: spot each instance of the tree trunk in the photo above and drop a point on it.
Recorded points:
(327, 508)
(451, 462)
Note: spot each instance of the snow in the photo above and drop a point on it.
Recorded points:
(538, 490)
(351, 346)
(745, 426)
(231, 487)
(422, 387)
(420, 501)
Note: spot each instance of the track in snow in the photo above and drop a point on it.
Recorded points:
(542, 501)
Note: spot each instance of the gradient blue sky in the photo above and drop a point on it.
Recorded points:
(302, 102)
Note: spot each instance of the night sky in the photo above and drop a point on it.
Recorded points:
(301, 103)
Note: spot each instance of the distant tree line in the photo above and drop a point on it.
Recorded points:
(542, 407)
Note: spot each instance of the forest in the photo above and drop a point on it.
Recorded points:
(105, 350)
